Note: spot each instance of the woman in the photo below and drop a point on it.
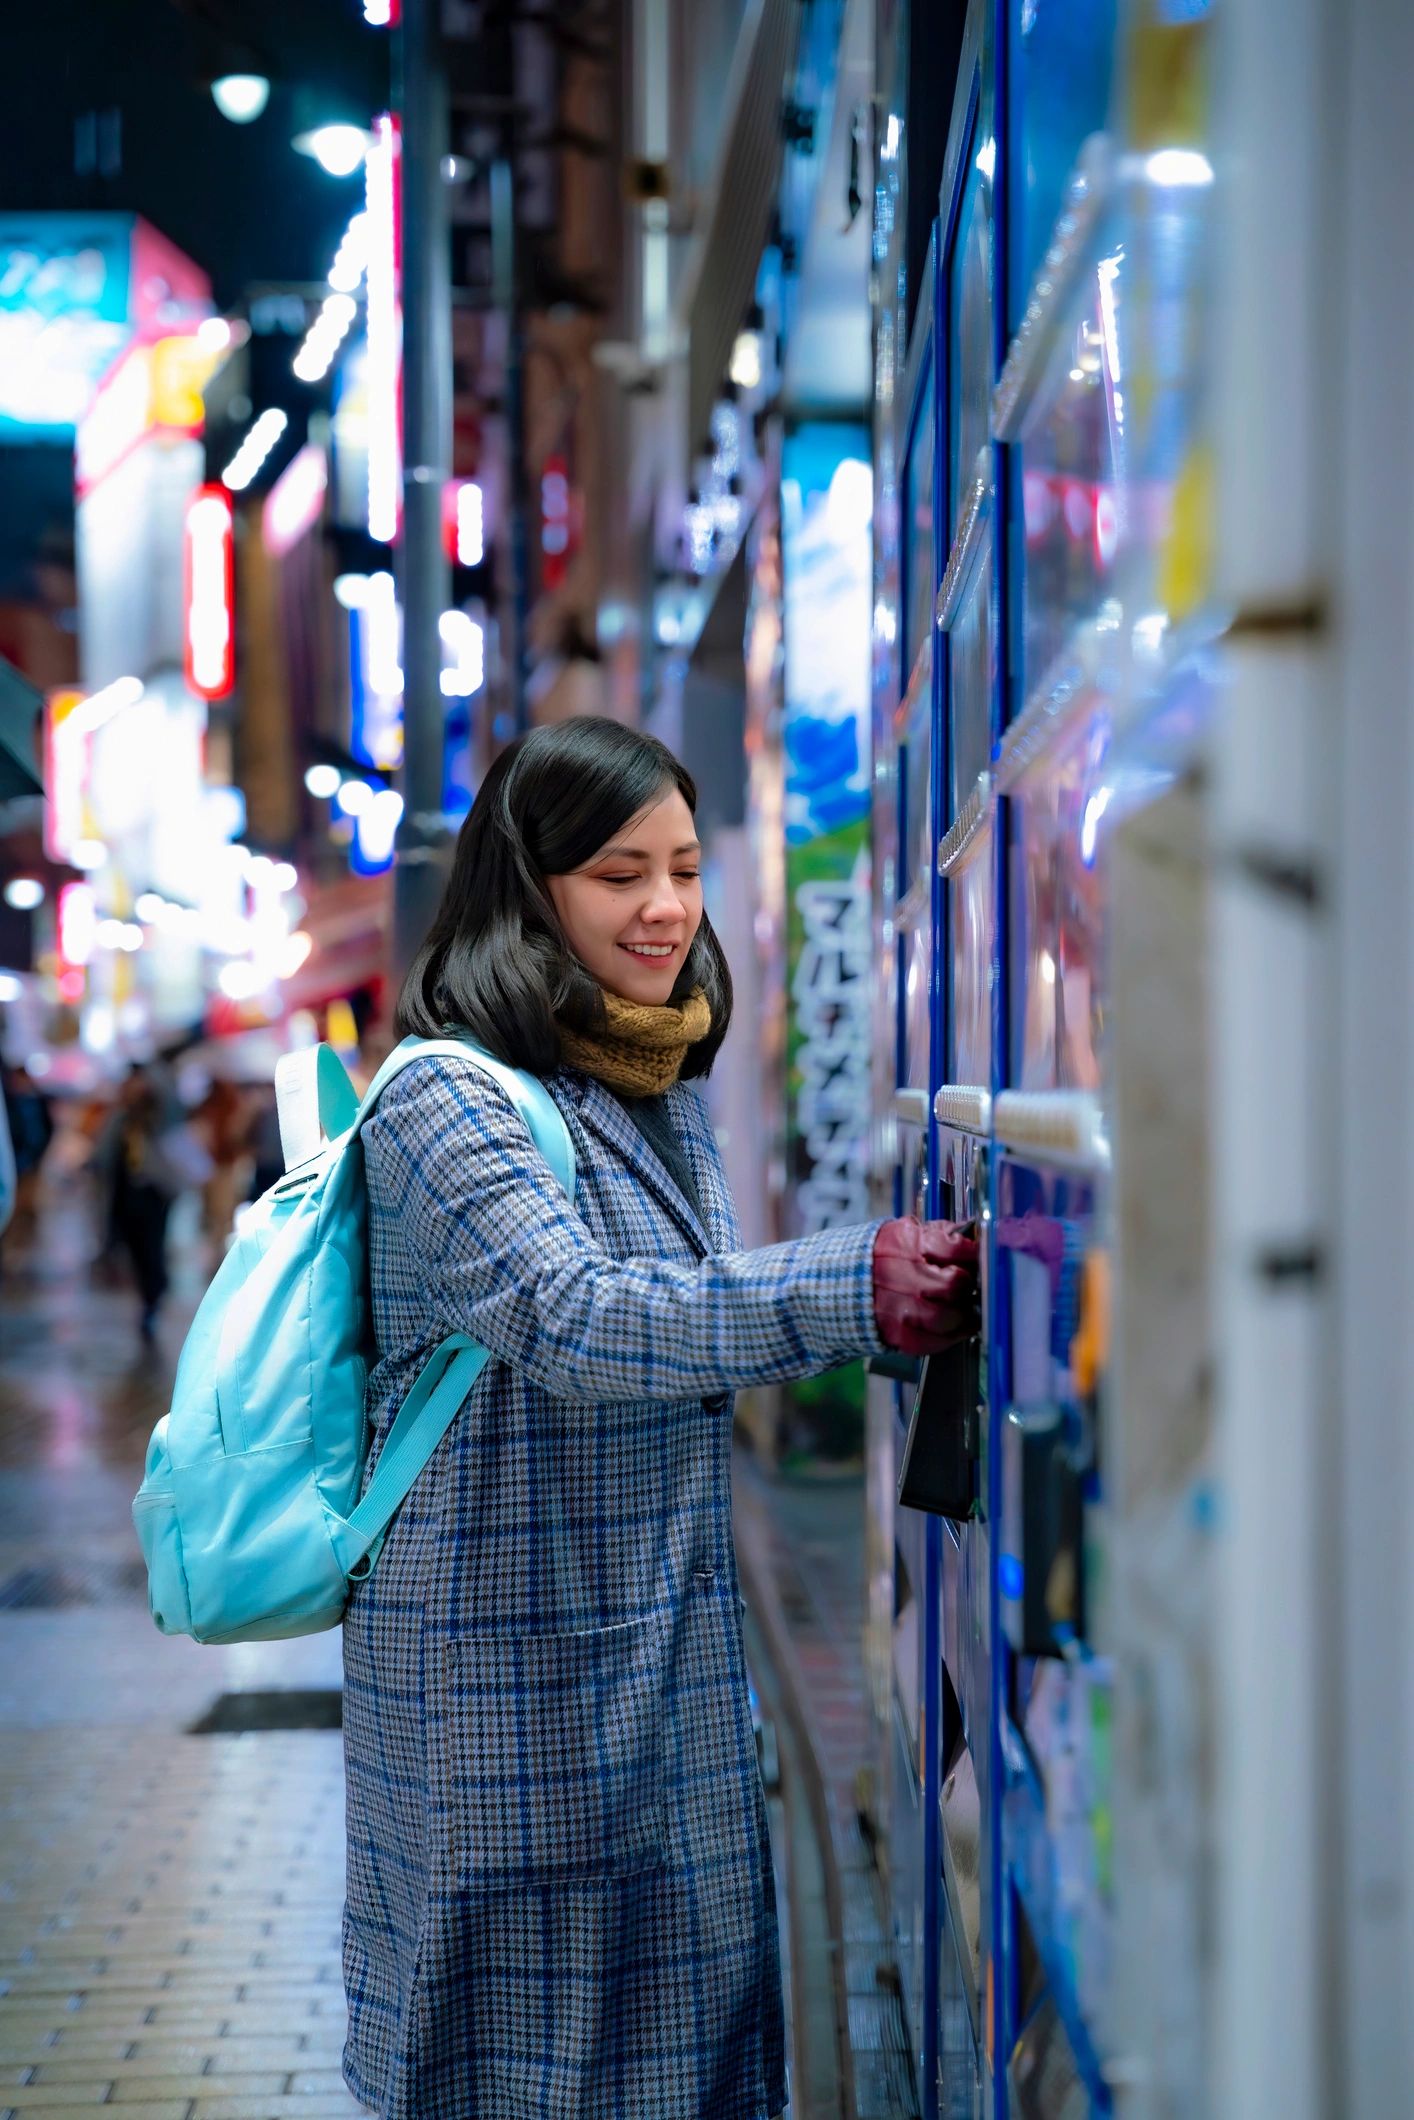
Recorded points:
(560, 1896)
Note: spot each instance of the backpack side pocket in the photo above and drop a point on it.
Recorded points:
(168, 1596)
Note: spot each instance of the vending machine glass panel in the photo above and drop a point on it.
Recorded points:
(917, 717)
(971, 913)
(1034, 934)
(1083, 797)
(970, 330)
(1073, 483)
(1057, 960)
(1065, 51)
(917, 1004)
(972, 650)
(922, 565)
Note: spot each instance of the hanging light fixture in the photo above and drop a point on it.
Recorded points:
(240, 97)
(339, 149)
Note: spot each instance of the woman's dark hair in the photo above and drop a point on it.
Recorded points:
(496, 962)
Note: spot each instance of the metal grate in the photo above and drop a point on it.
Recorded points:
(284, 1708)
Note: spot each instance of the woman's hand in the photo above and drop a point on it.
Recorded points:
(925, 1285)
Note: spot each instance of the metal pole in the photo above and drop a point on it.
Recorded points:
(424, 573)
(505, 273)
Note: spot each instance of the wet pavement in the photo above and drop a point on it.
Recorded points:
(171, 1816)
(169, 1901)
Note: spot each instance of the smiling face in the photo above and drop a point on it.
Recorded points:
(630, 913)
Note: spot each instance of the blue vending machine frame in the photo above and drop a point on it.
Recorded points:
(1032, 1997)
(914, 1542)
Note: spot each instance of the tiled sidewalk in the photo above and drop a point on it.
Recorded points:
(169, 1917)
(169, 1903)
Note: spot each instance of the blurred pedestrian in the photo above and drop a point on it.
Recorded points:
(31, 1129)
(222, 1119)
(156, 1154)
(560, 1892)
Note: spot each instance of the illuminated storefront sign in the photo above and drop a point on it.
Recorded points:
(210, 594)
(64, 287)
(295, 502)
(152, 390)
(375, 667)
(76, 935)
(385, 333)
(463, 654)
(826, 506)
(116, 421)
(75, 289)
(72, 721)
(65, 774)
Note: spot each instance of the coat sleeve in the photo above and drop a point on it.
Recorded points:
(505, 1257)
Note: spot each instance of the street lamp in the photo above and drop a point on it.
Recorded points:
(339, 149)
(241, 97)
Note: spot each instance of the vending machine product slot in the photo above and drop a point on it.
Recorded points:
(939, 1469)
(1040, 1573)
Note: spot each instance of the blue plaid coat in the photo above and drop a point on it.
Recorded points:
(560, 1899)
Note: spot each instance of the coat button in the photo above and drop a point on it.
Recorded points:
(704, 1576)
(716, 1402)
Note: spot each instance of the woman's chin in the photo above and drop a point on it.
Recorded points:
(633, 980)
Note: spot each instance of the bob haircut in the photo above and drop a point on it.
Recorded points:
(496, 963)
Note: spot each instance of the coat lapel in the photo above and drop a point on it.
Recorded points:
(605, 1116)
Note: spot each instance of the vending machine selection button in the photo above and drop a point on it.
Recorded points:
(965, 1106)
(1064, 1124)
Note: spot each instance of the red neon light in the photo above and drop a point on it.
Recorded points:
(209, 549)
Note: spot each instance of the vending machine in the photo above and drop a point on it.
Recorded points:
(1045, 674)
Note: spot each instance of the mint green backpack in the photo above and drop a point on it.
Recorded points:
(249, 1514)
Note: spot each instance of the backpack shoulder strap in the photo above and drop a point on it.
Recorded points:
(315, 1100)
(529, 1095)
(442, 1385)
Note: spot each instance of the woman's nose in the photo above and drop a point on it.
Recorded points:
(664, 904)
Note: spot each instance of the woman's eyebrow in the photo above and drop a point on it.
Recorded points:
(694, 846)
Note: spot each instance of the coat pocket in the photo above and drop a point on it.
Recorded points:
(547, 1755)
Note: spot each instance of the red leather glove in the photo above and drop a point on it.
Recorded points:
(925, 1285)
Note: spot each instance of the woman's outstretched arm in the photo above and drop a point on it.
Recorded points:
(503, 1255)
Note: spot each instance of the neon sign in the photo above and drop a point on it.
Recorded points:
(385, 334)
(210, 594)
(464, 521)
(153, 389)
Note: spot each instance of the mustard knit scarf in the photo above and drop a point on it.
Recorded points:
(643, 1048)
